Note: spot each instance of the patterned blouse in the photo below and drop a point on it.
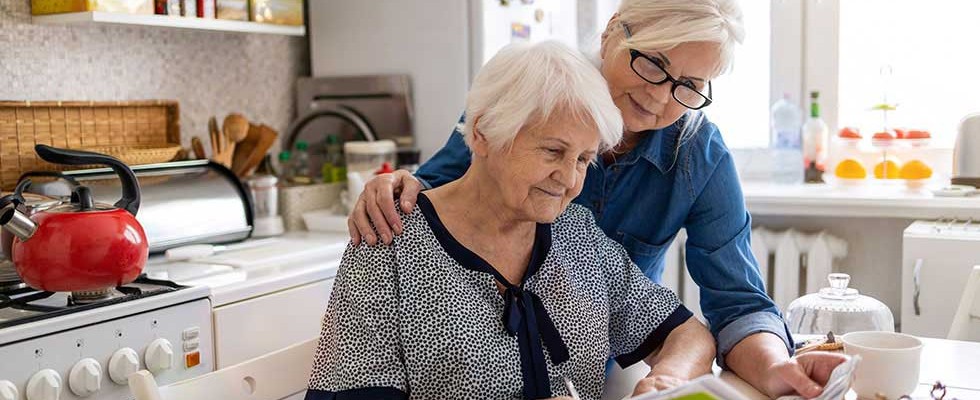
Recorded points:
(423, 318)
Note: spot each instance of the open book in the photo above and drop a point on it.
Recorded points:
(711, 387)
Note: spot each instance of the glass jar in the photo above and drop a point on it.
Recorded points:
(838, 309)
(364, 160)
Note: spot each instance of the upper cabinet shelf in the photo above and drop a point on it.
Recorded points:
(89, 17)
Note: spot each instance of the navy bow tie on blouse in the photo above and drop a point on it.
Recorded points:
(526, 318)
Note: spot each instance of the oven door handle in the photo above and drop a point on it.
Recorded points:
(916, 285)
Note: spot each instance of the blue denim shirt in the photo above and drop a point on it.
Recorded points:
(644, 198)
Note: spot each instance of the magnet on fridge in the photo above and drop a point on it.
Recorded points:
(504, 3)
(538, 15)
(520, 31)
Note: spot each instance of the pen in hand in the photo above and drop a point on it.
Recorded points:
(571, 389)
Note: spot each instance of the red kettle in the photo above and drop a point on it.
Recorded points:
(81, 246)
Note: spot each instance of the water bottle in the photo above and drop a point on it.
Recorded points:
(787, 119)
(785, 141)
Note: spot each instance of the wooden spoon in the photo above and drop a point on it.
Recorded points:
(235, 128)
(198, 148)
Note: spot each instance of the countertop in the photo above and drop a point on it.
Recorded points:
(866, 200)
(291, 260)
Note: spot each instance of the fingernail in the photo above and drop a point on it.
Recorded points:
(816, 389)
(398, 229)
(369, 239)
(384, 238)
(405, 203)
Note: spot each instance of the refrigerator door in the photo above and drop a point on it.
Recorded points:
(497, 23)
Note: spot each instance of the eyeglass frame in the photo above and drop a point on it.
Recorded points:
(634, 54)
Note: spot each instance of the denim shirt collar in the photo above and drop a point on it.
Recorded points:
(657, 147)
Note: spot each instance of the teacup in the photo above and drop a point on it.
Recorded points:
(889, 363)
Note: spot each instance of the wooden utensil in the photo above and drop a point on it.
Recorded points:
(198, 148)
(244, 148)
(219, 144)
(267, 137)
(235, 128)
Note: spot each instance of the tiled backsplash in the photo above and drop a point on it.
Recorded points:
(209, 73)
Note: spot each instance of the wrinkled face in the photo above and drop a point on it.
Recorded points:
(544, 168)
(646, 106)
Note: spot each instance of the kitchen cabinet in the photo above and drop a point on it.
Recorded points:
(259, 326)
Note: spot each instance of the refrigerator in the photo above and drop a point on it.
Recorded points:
(440, 44)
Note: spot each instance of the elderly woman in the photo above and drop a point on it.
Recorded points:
(498, 287)
(670, 171)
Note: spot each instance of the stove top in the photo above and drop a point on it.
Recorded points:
(25, 305)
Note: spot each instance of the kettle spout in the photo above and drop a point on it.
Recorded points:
(17, 223)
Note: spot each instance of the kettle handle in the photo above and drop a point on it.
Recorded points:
(130, 200)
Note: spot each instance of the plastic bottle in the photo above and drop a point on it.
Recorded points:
(816, 138)
(785, 141)
(301, 164)
(334, 168)
(786, 120)
(286, 166)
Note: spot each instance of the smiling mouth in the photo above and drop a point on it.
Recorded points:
(638, 107)
(549, 193)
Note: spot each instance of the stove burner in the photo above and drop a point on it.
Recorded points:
(9, 280)
(20, 306)
(91, 296)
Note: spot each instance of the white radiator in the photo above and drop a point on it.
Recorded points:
(792, 263)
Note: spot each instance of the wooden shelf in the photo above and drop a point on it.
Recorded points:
(97, 17)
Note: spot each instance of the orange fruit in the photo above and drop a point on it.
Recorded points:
(887, 169)
(915, 169)
(850, 169)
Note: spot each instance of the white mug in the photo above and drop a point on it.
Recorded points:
(889, 363)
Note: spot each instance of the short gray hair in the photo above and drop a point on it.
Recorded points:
(524, 84)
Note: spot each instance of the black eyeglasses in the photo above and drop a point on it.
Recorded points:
(651, 69)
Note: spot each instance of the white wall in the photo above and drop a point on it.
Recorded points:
(421, 39)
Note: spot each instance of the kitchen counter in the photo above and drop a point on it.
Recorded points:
(294, 259)
(867, 200)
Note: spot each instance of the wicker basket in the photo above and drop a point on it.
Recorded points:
(137, 132)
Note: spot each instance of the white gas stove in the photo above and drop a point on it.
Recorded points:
(52, 347)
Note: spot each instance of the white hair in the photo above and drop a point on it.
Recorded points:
(661, 25)
(524, 84)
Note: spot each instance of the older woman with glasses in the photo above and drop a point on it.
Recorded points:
(670, 171)
(498, 287)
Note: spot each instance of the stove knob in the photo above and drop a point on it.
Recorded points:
(8, 391)
(85, 377)
(124, 362)
(159, 356)
(44, 385)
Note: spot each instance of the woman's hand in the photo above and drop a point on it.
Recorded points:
(377, 204)
(653, 383)
(804, 374)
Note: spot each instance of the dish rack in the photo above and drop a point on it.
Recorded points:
(136, 132)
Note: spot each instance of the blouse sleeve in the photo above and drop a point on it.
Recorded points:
(642, 313)
(359, 353)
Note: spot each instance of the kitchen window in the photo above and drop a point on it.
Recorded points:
(741, 98)
(918, 54)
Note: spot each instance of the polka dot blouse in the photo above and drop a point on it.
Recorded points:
(423, 318)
